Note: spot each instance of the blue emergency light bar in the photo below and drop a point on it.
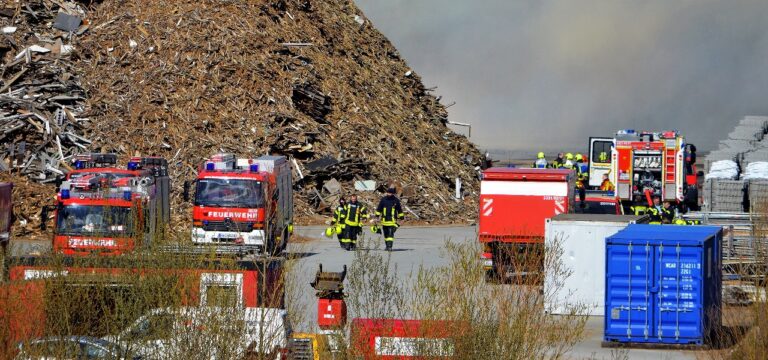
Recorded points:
(209, 166)
(133, 165)
(254, 167)
(65, 194)
(127, 195)
(79, 164)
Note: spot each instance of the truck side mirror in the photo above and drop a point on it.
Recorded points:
(185, 194)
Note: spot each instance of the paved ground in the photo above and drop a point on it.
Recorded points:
(422, 247)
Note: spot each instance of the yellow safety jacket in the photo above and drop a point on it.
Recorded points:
(339, 215)
(354, 214)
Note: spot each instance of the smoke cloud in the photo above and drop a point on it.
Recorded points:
(538, 74)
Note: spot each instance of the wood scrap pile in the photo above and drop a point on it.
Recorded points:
(311, 79)
(41, 100)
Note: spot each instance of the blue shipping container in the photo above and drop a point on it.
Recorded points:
(663, 284)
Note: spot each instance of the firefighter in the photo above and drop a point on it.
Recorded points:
(354, 214)
(606, 185)
(568, 161)
(582, 176)
(655, 211)
(581, 163)
(541, 161)
(639, 208)
(558, 162)
(338, 220)
(389, 212)
(667, 213)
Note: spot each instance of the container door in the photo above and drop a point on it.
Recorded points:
(630, 295)
(680, 307)
(599, 159)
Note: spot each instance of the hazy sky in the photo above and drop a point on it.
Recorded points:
(544, 74)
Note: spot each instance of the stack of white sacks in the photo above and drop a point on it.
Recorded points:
(756, 170)
(723, 169)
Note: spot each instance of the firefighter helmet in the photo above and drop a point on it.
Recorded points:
(375, 229)
(329, 231)
(568, 156)
(579, 157)
(540, 155)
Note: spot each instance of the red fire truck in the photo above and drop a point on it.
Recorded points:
(514, 205)
(646, 164)
(243, 205)
(106, 210)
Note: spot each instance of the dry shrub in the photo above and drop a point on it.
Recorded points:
(744, 332)
(482, 320)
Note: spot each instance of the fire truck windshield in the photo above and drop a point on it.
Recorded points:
(94, 220)
(237, 193)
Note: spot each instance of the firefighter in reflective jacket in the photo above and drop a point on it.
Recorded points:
(541, 161)
(656, 211)
(338, 220)
(389, 212)
(354, 214)
(607, 185)
(639, 208)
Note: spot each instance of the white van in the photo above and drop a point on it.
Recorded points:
(207, 333)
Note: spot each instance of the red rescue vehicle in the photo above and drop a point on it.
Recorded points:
(106, 210)
(514, 205)
(251, 284)
(647, 164)
(243, 205)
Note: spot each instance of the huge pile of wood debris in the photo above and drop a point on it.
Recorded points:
(310, 79)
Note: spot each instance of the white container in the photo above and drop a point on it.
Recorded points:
(579, 239)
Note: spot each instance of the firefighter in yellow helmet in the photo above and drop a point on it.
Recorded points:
(541, 161)
(582, 171)
(354, 214)
(568, 161)
(339, 215)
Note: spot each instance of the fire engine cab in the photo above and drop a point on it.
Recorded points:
(647, 164)
(106, 210)
(243, 205)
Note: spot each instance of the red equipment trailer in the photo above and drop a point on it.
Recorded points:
(514, 205)
(251, 284)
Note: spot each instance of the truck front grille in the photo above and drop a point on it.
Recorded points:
(228, 226)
